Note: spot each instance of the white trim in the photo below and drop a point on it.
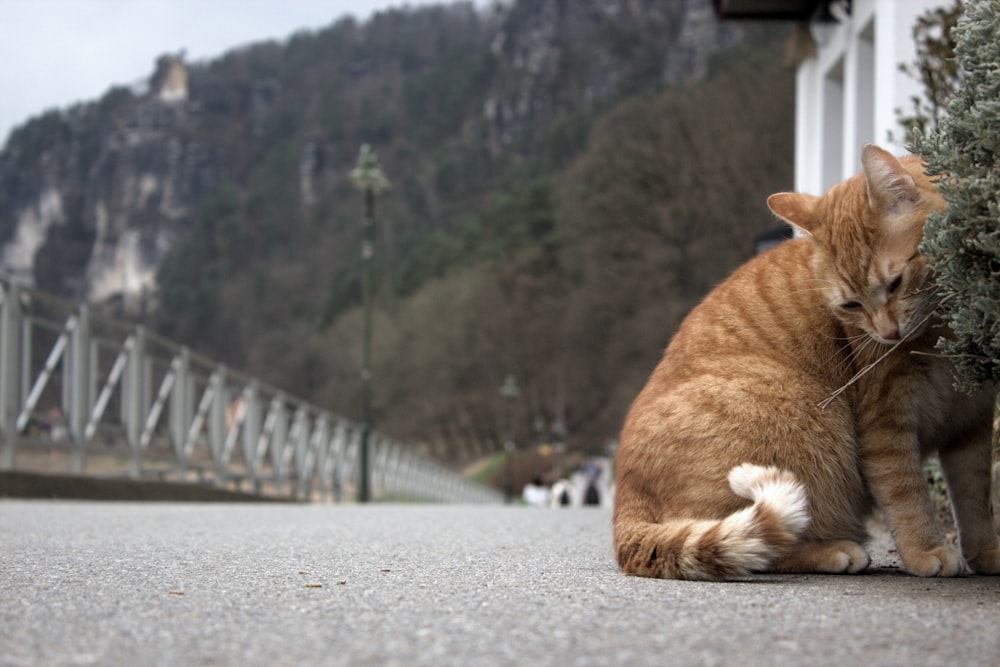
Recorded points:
(851, 92)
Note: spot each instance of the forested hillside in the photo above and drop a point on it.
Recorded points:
(568, 179)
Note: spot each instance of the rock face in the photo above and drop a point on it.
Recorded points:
(90, 205)
(170, 81)
(146, 179)
(625, 44)
(92, 198)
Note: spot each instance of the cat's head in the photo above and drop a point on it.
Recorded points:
(867, 231)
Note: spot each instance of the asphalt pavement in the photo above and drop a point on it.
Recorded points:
(91, 583)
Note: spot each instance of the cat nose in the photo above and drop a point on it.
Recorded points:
(886, 327)
(889, 331)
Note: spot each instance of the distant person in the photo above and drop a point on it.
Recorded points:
(57, 425)
(560, 496)
(592, 496)
(535, 493)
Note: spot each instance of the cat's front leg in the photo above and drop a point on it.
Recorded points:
(891, 460)
(967, 466)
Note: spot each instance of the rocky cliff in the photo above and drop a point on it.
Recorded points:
(93, 198)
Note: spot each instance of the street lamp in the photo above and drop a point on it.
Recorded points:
(368, 177)
(509, 391)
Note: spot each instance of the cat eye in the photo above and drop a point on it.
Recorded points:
(894, 285)
(850, 305)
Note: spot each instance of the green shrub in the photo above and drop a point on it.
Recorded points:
(963, 244)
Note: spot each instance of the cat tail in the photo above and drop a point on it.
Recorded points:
(746, 541)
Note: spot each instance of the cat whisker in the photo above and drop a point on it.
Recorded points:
(858, 353)
(825, 403)
(847, 353)
(855, 337)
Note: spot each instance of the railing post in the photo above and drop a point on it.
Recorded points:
(133, 399)
(323, 457)
(10, 372)
(279, 442)
(324, 471)
(339, 459)
(217, 422)
(406, 471)
(351, 456)
(251, 433)
(93, 377)
(303, 438)
(387, 461)
(382, 463)
(181, 412)
(77, 401)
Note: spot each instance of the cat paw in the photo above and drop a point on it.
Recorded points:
(845, 557)
(986, 562)
(857, 558)
(937, 562)
(834, 557)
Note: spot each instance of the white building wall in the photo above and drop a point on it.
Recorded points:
(851, 92)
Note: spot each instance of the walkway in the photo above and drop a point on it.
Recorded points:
(86, 583)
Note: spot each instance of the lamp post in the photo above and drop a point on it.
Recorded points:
(367, 177)
(509, 391)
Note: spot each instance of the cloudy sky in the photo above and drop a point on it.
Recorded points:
(54, 53)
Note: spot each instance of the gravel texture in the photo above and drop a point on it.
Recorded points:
(88, 583)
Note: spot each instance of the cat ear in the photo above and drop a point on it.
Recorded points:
(891, 188)
(796, 209)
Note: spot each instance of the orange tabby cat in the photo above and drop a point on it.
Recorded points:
(755, 446)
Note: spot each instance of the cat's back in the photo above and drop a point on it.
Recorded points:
(761, 347)
(769, 312)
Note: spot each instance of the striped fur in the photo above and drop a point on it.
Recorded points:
(745, 541)
(788, 400)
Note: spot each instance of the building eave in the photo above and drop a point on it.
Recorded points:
(772, 10)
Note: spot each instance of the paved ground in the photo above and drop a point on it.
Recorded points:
(86, 583)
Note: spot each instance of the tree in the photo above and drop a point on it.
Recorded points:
(963, 243)
(935, 67)
(662, 205)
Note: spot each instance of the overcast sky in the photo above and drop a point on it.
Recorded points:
(54, 53)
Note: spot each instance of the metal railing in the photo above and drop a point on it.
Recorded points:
(122, 401)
